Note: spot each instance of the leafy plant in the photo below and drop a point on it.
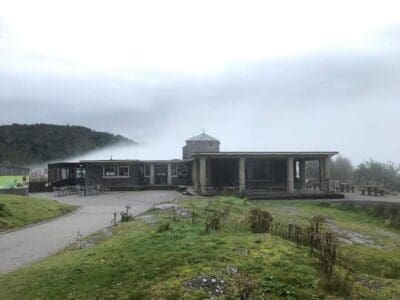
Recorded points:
(260, 220)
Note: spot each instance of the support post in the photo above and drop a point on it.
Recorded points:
(242, 175)
(203, 175)
(290, 175)
(327, 174)
(169, 174)
(302, 174)
(152, 181)
(195, 176)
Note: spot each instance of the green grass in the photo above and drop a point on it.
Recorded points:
(138, 262)
(17, 211)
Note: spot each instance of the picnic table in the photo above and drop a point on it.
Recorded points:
(373, 189)
(346, 187)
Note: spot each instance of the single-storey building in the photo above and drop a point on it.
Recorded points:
(208, 170)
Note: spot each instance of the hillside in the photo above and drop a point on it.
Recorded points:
(207, 249)
(17, 211)
(28, 144)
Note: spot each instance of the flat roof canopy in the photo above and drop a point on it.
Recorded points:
(308, 154)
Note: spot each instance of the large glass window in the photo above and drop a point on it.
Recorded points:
(174, 170)
(64, 173)
(80, 173)
(123, 170)
(109, 170)
(146, 170)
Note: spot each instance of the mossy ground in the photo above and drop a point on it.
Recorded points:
(138, 262)
(20, 211)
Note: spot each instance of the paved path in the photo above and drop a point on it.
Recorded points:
(21, 247)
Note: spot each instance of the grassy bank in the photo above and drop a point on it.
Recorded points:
(17, 211)
(173, 257)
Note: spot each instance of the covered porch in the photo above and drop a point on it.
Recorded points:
(262, 174)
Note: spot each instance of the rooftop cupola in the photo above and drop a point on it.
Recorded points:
(202, 143)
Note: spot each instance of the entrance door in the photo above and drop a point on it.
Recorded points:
(161, 174)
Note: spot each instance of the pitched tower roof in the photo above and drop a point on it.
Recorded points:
(202, 137)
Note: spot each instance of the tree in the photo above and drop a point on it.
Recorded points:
(376, 173)
(342, 168)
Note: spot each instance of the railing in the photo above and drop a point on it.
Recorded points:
(300, 186)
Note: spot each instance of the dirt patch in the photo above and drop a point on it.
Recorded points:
(351, 237)
(149, 219)
(91, 240)
(174, 209)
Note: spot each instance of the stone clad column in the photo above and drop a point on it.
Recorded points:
(290, 175)
(327, 174)
(169, 174)
(203, 175)
(195, 176)
(242, 175)
(302, 174)
(322, 174)
(152, 181)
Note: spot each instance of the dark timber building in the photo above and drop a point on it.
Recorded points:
(208, 170)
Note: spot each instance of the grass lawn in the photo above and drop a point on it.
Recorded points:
(17, 211)
(144, 261)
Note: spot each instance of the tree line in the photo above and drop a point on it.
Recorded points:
(22, 144)
(367, 173)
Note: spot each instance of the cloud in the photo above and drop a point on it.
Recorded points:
(342, 99)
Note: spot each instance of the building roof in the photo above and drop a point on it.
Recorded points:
(202, 137)
(295, 154)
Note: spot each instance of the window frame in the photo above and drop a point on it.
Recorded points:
(104, 170)
(146, 167)
(116, 171)
(119, 170)
(174, 166)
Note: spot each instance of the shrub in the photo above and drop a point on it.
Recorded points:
(339, 285)
(260, 220)
(162, 227)
(327, 254)
(213, 220)
(243, 286)
(2, 205)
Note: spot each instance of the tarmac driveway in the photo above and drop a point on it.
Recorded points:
(21, 247)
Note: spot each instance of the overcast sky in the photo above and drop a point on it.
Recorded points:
(258, 75)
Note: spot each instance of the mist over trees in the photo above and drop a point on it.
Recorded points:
(342, 168)
(367, 173)
(22, 144)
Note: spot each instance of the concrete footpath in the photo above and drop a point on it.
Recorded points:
(22, 247)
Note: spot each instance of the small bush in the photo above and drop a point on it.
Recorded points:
(163, 227)
(339, 285)
(213, 220)
(260, 220)
(243, 286)
(327, 254)
(2, 205)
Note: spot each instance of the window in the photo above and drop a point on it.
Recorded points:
(64, 173)
(146, 170)
(80, 173)
(211, 145)
(174, 170)
(123, 170)
(109, 170)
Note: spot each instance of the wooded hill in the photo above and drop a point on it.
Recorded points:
(22, 144)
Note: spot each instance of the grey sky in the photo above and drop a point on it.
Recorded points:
(335, 96)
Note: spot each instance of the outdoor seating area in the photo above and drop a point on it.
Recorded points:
(370, 190)
(80, 190)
